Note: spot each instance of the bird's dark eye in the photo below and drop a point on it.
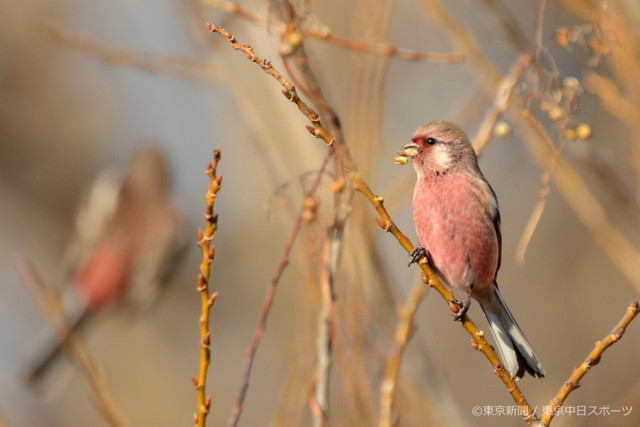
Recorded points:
(431, 141)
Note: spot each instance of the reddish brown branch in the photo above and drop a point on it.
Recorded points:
(343, 42)
(269, 296)
(118, 55)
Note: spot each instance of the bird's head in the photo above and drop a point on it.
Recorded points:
(437, 147)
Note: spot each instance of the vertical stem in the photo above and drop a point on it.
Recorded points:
(208, 253)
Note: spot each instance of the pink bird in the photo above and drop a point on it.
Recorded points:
(127, 241)
(457, 221)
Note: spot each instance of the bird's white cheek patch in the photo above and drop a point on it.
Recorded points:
(441, 157)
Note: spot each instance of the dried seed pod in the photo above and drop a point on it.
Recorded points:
(501, 129)
(555, 113)
(583, 131)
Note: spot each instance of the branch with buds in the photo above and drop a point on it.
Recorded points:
(208, 254)
(592, 359)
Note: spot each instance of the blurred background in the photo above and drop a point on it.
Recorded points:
(85, 85)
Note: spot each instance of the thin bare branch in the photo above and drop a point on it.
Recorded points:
(403, 333)
(514, 34)
(501, 103)
(538, 27)
(334, 241)
(269, 296)
(592, 359)
(324, 338)
(541, 200)
(611, 98)
(118, 55)
(536, 214)
(484, 70)
(577, 193)
(325, 34)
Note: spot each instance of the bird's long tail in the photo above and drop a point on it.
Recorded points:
(51, 351)
(515, 351)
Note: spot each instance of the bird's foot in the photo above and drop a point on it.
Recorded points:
(417, 254)
(462, 307)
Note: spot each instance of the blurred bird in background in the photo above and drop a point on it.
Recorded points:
(128, 239)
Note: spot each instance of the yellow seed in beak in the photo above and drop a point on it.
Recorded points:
(401, 160)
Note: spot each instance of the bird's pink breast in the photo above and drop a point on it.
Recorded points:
(103, 278)
(453, 222)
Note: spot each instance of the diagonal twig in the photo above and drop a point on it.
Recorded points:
(72, 345)
(611, 98)
(325, 34)
(501, 103)
(119, 55)
(536, 213)
(592, 359)
(579, 196)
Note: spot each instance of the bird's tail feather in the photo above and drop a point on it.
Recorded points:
(515, 351)
(51, 350)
